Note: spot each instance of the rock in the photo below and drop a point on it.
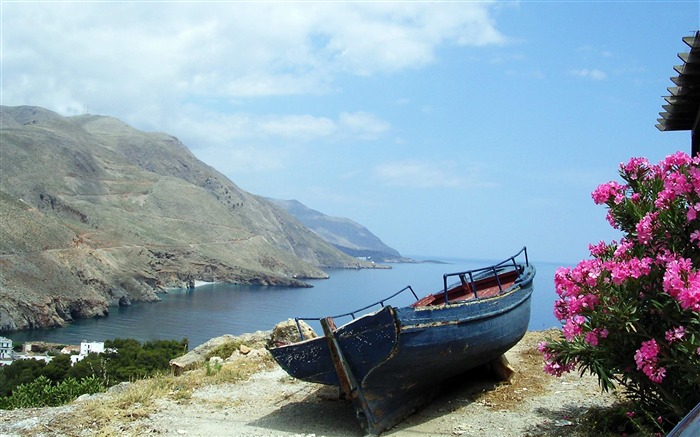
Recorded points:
(243, 349)
(255, 340)
(197, 356)
(287, 332)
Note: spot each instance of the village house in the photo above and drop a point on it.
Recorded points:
(87, 347)
(5, 351)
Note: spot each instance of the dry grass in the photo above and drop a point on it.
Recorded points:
(116, 413)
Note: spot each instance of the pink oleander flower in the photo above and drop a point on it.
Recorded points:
(591, 338)
(675, 160)
(635, 168)
(624, 248)
(646, 358)
(647, 353)
(664, 199)
(557, 369)
(645, 227)
(598, 249)
(610, 217)
(561, 309)
(605, 192)
(694, 176)
(573, 327)
(675, 334)
(677, 183)
(640, 293)
(682, 282)
(695, 236)
(692, 212)
(657, 375)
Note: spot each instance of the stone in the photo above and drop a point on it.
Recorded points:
(197, 356)
(287, 332)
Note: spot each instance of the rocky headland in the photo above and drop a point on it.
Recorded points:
(95, 214)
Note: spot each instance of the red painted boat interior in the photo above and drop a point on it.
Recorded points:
(485, 288)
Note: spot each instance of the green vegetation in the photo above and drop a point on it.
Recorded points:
(32, 383)
(224, 350)
(631, 314)
(43, 393)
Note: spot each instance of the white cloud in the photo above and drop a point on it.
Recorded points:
(303, 127)
(209, 72)
(585, 73)
(243, 160)
(120, 50)
(422, 174)
(362, 125)
(201, 128)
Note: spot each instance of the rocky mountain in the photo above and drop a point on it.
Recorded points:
(346, 235)
(94, 213)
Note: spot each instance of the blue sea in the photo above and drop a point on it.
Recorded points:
(212, 310)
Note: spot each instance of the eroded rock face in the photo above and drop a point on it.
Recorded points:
(57, 312)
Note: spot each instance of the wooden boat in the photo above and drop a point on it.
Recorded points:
(689, 426)
(390, 362)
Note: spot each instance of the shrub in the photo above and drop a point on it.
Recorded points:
(631, 314)
(42, 393)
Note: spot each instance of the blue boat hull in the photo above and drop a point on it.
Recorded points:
(391, 362)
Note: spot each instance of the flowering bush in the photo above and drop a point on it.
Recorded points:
(631, 314)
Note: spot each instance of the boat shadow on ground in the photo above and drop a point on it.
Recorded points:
(320, 412)
(323, 412)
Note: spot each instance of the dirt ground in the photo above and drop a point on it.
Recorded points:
(269, 404)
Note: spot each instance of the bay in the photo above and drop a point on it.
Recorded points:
(212, 310)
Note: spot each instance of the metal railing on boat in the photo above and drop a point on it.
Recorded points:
(483, 272)
(474, 275)
(353, 313)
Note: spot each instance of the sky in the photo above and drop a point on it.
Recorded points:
(449, 129)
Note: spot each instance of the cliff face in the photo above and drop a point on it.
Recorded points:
(94, 213)
(346, 235)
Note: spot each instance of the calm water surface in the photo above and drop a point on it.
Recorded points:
(216, 309)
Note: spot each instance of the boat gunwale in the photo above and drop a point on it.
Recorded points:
(483, 272)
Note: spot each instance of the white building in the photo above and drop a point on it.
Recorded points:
(87, 347)
(5, 348)
(5, 351)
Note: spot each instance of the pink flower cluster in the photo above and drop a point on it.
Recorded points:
(611, 190)
(675, 334)
(682, 282)
(646, 359)
(553, 366)
(658, 209)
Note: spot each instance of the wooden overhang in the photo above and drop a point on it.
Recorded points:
(682, 111)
